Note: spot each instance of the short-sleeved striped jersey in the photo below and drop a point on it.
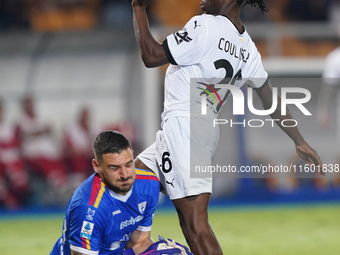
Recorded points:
(99, 221)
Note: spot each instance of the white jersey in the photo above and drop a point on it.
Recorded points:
(8, 149)
(79, 139)
(331, 77)
(208, 47)
(331, 74)
(33, 145)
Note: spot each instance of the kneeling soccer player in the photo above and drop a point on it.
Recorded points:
(113, 209)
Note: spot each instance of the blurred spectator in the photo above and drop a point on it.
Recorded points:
(59, 15)
(13, 14)
(308, 10)
(116, 13)
(13, 178)
(129, 130)
(39, 150)
(334, 12)
(330, 87)
(331, 83)
(78, 143)
(164, 11)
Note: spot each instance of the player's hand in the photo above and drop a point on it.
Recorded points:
(141, 3)
(309, 155)
(163, 247)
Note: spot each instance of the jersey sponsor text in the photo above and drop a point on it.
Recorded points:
(131, 221)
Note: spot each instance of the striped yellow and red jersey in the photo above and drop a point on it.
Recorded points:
(99, 221)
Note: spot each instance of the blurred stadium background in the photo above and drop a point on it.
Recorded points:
(71, 55)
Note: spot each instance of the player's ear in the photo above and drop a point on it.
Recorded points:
(95, 165)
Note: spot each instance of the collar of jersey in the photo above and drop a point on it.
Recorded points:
(120, 197)
(244, 30)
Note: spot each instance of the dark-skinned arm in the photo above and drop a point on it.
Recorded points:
(152, 52)
(304, 151)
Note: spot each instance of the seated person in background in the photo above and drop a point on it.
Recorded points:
(330, 89)
(78, 139)
(40, 152)
(308, 10)
(13, 177)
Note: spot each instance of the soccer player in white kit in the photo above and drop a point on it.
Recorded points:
(331, 82)
(331, 85)
(214, 45)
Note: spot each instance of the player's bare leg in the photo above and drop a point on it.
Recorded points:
(193, 217)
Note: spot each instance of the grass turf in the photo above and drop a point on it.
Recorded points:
(309, 230)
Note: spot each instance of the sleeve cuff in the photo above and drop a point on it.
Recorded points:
(144, 229)
(168, 53)
(83, 251)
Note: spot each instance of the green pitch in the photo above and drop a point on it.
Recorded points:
(264, 231)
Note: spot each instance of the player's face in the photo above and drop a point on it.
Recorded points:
(117, 170)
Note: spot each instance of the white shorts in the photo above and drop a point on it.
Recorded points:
(178, 147)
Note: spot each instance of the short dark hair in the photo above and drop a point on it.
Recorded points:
(260, 3)
(109, 142)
